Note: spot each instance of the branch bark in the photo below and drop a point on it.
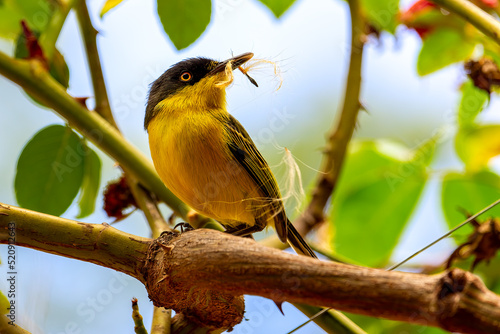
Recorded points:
(96, 243)
(204, 273)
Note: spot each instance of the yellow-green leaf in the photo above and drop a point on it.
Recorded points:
(477, 145)
(110, 4)
(382, 14)
(37, 13)
(472, 102)
(380, 185)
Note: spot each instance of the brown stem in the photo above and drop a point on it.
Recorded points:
(342, 131)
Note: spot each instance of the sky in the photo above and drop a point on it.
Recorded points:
(310, 44)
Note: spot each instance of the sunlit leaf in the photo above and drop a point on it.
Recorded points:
(382, 14)
(477, 145)
(59, 69)
(471, 192)
(471, 104)
(50, 170)
(110, 4)
(90, 184)
(184, 21)
(278, 7)
(380, 185)
(441, 48)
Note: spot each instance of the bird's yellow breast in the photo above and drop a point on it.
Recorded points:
(190, 153)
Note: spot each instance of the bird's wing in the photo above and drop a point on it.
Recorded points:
(245, 152)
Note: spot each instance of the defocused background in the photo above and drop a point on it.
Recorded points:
(310, 43)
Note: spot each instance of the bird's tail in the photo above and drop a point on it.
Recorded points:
(298, 244)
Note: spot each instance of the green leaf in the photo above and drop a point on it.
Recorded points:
(477, 145)
(469, 191)
(110, 4)
(50, 170)
(278, 7)
(471, 104)
(59, 69)
(441, 48)
(21, 51)
(90, 184)
(379, 187)
(37, 14)
(4, 304)
(184, 21)
(382, 14)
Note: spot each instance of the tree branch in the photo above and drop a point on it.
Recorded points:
(50, 35)
(100, 244)
(203, 274)
(474, 15)
(342, 131)
(102, 106)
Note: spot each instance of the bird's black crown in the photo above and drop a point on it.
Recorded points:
(172, 81)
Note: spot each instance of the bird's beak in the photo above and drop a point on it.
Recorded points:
(235, 63)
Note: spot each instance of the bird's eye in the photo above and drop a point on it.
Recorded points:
(186, 76)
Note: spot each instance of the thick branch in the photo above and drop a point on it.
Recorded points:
(7, 328)
(204, 273)
(342, 131)
(96, 243)
(195, 263)
(474, 15)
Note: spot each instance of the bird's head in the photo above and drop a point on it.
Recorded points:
(194, 83)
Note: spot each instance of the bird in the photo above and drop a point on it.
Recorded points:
(206, 157)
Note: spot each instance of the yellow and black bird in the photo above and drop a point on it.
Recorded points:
(205, 156)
